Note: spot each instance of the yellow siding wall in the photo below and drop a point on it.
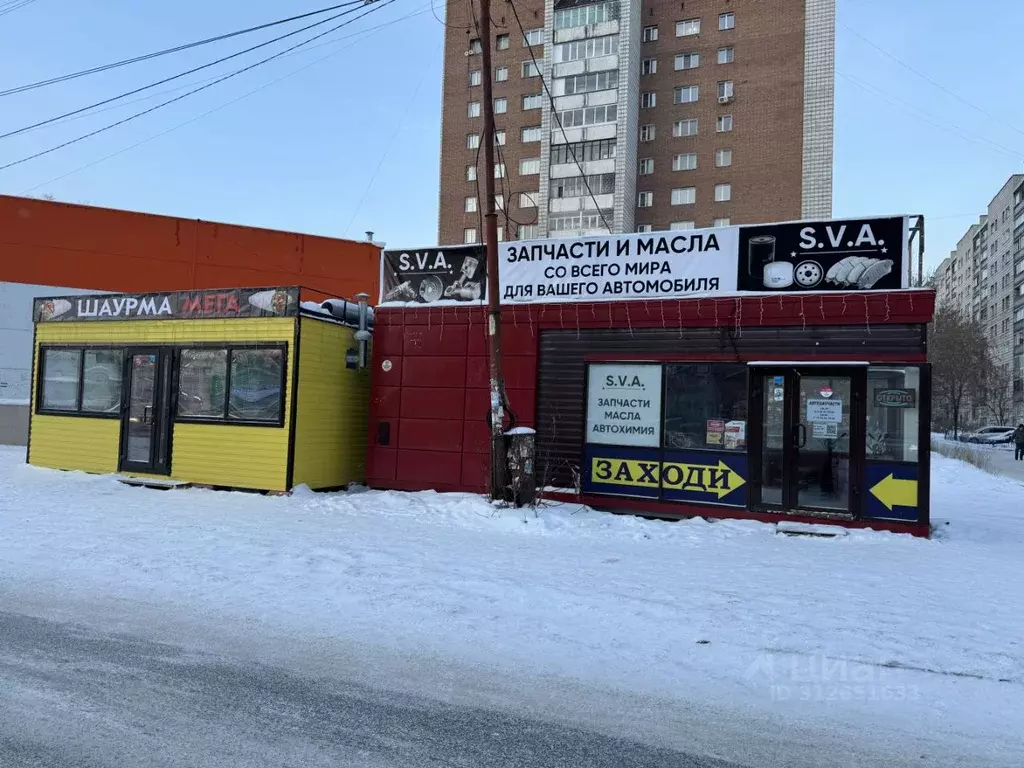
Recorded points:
(210, 454)
(333, 406)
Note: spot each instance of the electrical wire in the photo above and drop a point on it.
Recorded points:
(364, 35)
(554, 114)
(373, 8)
(166, 51)
(13, 6)
(221, 60)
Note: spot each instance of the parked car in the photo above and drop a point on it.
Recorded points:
(990, 435)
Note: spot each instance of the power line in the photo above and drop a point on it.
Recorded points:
(13, 6)
(165, 51)
(928, 79)
(364, 34)
(554, 114)
(373, 8)
(221, 60)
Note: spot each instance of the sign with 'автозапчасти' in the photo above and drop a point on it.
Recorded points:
(624, 404)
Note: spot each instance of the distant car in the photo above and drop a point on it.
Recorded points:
(991, 435)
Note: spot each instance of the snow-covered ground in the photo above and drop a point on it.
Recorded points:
(905, 649)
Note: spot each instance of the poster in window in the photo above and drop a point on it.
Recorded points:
(439, 276)
(624, 404)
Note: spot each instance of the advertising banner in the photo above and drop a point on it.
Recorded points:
(659, 265)
(175, 305)
(848, 255)
(447, 275)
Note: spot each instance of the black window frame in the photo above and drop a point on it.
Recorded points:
(41, 410)
(224, 419)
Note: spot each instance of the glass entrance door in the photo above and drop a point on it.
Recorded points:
(810, 439)
(145, 418)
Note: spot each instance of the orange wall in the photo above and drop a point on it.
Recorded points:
(77, 246)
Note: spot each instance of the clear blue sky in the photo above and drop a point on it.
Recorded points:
(300, 154)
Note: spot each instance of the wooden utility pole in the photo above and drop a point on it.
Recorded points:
(497, 388)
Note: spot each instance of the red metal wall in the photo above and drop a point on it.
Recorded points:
(433, 395)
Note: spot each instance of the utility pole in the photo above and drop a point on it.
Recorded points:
(497, 388)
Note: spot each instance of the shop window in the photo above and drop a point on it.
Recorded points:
(893, 413)
(706, 406)
(83, 381)
(234, 384)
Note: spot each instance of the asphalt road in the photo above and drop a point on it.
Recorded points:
(71, 697)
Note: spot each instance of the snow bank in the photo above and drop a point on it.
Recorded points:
(876, 633)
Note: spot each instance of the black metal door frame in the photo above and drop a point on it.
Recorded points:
(794, 434)
(159, 460)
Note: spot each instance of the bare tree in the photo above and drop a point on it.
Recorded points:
(998, 396)
(959, 354)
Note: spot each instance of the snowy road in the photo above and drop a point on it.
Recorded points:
(72, 698)
(724, 640)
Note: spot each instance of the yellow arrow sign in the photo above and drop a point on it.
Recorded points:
(719, 480)
(896, 493)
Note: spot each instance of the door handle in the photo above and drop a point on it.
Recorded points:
(147, 414)
(800, 435)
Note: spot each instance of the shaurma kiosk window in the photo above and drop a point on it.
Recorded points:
(233, 384)
(80, 381)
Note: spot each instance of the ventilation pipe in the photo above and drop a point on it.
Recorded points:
(363, 335)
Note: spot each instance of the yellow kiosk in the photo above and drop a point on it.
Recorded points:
(241, 388)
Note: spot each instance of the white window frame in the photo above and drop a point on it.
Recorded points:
(535, 133)
(647, 132)
(469, 235)
(529, 69)
(500, 74)
(687, 27)
(723, 124)
(682, 59)
(682, 225)
(685, 161)
(502, 42)
(680, 90)
(678, 124)
(725, 89)
(644, 227)
(472, 140)
(473, 109)
(538, 97)
(644, 199)
(723, 193)
(471, 204)
(528, 199)
(683, 196)
(649, 34)
(728, 53)
(500, 171)
(645, 167)
(476, 77)
(475, 46)
(648, 100)
(529, 166)
(726, 21)
(649, 67)
(500, 105)
(470, 173)
(533, 37)
(725, 221)
(499, 138)
(723, 158)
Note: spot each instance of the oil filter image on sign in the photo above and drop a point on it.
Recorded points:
(456, 275)
(845, 255)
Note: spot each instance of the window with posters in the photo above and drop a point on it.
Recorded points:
(669, 431)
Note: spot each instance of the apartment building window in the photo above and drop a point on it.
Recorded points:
(726, 21)
(597, 81)
(644, 228)
(502, 42)
(684, 128)
(586, 15)
(723, 222)
(723, 193)
(474, 109)
(723, 158)
(576, 118)
(500, 74)
(687, 27)
(583, 151)
(499, 138)
(684, 196)
(500, 106)
(472, 140)
(533, 100)
(475, 46)
(649, 34)
(471, 206)
(646, 166)
(533, 37)
(724, 124)
(647, 132)
(648, 100)
(499, 202)
(724, 89)
(583, 186)
(589, 48)
(475, 78)
(726, 55)
(527, 199)
(501, 233)
(470, 173)
(529, 166)
(499, 170)
(685, 162)
(644, 199)
(683, 225)
(686, 94)
(528, 231)
(530, 134)
(687, 61)
(469, 235)
(530, 69)
(648, 66)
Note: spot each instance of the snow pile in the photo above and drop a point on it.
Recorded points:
(875, 633)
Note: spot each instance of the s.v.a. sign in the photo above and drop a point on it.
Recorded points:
(448, 275)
